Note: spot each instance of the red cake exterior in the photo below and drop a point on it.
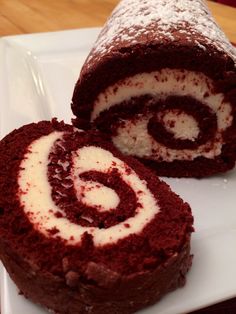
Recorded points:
(73, 252)
(164, 75)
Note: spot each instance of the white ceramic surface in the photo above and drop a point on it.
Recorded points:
(37, 77)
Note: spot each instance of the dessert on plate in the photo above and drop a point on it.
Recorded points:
(84, 229)
(163, 74)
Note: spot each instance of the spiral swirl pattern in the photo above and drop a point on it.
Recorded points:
(69, 191)
(165, 115)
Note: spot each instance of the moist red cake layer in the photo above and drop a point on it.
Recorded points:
(84, 277)
(178, 36)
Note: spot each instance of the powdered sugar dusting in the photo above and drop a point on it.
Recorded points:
(133, 22)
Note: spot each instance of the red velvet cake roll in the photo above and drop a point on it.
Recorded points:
(84, 229)
(161, 81)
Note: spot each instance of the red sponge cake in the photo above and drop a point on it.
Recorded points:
(164, 75)
(84, 229)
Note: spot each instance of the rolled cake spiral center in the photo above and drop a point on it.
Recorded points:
(168, 115)
(98, 185)
(180, 124)
(97, 195)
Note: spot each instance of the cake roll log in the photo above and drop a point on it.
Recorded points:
(84, 229)
(161, 81)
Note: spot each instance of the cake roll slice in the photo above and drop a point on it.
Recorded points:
(161, 82)
(84, 229)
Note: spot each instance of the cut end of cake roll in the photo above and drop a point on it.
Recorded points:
(84, 229)
(161, 82)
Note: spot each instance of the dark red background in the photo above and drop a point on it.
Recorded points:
(228, 2)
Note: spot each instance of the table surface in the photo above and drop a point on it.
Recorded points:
(32, 16)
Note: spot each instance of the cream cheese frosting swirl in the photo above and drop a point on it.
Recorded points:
(50, 219)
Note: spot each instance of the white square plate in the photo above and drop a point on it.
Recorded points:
(37, 77)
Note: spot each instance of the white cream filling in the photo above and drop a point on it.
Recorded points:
(164, 83)
(133, 138)
(35, 192)
(180, 124)
(97, 195)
